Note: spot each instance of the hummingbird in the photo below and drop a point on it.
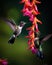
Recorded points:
(38, 43)
(17, 29)
(40, 53)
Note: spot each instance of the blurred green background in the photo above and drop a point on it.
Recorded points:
(17, 54)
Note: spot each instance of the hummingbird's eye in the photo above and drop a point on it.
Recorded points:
(38, 33)
(22, 23)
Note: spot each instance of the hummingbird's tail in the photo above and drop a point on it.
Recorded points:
(12, 39)
(40, 55)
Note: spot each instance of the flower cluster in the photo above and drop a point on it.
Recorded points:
(30, 9)
(3, 62)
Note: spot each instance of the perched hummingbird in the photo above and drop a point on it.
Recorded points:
(39, 42)
(17, 29)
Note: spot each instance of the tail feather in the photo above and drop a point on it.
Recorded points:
(12, 39)
(40, 55)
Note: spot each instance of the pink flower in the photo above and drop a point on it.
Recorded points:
(34, 50)
(3, 62)
(31, 18)
(25, 1)
(35, 7)
(29, 42)
(26, 12)
(35, 2)
(36, 26)
(29, 10)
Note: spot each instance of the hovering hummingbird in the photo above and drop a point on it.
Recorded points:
(17, 29)
(40, 53)
(38, 43)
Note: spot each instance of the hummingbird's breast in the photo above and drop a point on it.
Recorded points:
(19, 29)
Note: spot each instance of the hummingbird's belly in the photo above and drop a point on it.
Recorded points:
(18, 32)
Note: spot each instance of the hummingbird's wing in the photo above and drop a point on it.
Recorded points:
(43, 39)
(11, 23)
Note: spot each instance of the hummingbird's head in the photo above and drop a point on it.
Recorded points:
(22, 23)
(38, 34)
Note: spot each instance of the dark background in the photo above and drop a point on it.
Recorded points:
(17, 54)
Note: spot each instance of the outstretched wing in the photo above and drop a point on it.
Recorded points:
(11, 23)
(43, 39)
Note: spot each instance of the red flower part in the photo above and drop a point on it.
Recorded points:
(27, 36)
(29, 42)
(36, 27)
(36, 21)
(31, 32)
(3, 61)
(26, 12)
(23, 1)
(30, 28)
(31, 18)
(34, 12)
(34, 50)
(26, 3)
(30, 13)
(35, 2)
(30, 9)
(35, 7)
